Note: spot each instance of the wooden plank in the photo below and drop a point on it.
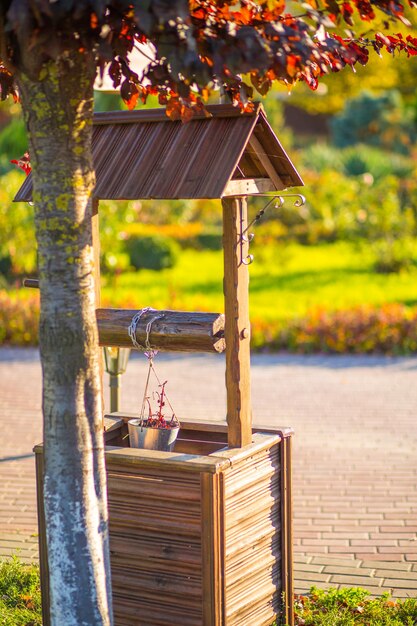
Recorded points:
(211, 562)
(252, 539)
(237, 326)
(248, 187)
(43, 550)
(174, 331)
(287, 572)
(168, 461)
(95, 229)
(159, 115)
(256, 146)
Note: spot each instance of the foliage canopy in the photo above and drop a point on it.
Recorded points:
(199, 45)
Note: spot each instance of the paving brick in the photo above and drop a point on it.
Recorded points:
(354, 581)
(381, 557)
(389, 573)
(347, 571)
(393, 566)
(401, 583)
(373, 590)
(334, 561)
(308, 567)
(317, 577)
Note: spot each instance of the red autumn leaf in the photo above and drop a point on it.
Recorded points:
(23, 163)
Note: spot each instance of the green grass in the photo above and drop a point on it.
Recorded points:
(20, 596)
(285, 282)
(351, 607)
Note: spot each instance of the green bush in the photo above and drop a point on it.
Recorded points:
(17, 229)
(20, 594)
(351, 607)
(13, 144)
(152, 252)
(381, 121)
(6, 265)
(362, 159)
(393, 256)
(210, 240)
(19, 319)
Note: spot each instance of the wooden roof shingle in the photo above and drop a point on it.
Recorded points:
(144, 155)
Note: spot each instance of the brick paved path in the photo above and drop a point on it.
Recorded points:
(355, 462)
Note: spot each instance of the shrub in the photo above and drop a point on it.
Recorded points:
(151, 252)
(351, 606)
(380, 121)
(6, 265)
(19, 319)
(17, 230)
(13, 143)
(393, 256)
(390, 329)
(210, 240)
(20, 594)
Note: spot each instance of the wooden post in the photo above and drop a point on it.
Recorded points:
(237, 327)
(96, 251)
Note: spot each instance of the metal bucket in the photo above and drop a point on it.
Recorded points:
(151, 438)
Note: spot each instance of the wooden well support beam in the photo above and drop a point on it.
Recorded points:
(176, 331)
(237, 326)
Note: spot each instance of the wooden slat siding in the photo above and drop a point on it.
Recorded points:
(151, 612)
(155, 545)
(43, 551)
(210, 556)
(236, 307)
(252, 491)
(142, 154)
(176, 331)
(287, 534)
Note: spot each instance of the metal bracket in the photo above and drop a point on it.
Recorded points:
(246, 237)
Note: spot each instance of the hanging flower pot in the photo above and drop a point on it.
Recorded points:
(151, 437)
(154, 432)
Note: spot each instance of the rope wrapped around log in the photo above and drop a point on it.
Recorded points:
(175, 331)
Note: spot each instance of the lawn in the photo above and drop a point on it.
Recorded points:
(285, 282)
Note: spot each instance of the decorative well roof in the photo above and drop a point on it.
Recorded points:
(144, 155)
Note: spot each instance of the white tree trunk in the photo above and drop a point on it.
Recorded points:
(58, 112)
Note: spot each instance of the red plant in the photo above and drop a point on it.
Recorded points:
(157, 419)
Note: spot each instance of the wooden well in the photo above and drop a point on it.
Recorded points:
(200, 536)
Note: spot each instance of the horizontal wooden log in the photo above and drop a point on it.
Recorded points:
(177, 331)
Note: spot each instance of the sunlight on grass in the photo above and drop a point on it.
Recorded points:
(285, 282)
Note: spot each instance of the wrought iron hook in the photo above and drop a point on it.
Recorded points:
(278, 201)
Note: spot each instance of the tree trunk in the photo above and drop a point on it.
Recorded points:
(58, 111)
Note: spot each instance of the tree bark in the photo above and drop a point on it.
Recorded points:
(58, 110)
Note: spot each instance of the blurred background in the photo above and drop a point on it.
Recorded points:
(338, 274)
